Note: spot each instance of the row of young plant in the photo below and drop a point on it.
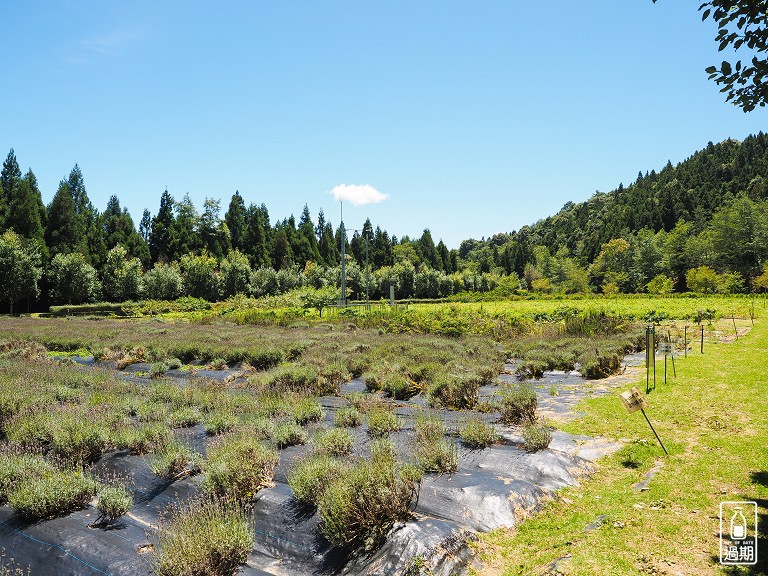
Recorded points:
(55, 429)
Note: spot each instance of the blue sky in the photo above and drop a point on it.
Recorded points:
(472, 117)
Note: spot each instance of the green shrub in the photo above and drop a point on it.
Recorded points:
(54, 493)
(143, 438)
(537, 437)
(219, 422)
(398, 386)
(205, 538)
(218, 364)
(113, 501)
(238, 466)
(434, 452)
(360, 507)
(289, 434)
(365, 402)
(77, 440)
(454, 392)
(158, 369)
(307, 410)
(174, 363)
(517, 404)
(17, 467)
(477, 433)
(382, 422)
(174, 459)
(348, 417)
(292, 378)
(333, 442)
(184, 417)
(312, 475)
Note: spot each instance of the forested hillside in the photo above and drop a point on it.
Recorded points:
(701, 226)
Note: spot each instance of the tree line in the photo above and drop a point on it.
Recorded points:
(701, 226)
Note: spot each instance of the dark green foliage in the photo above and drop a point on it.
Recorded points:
(26, 209)
(742, 26)
(65, 231)
(162, 230)
(236, 223)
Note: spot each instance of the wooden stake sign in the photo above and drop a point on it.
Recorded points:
(633, 401)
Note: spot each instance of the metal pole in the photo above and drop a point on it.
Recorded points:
(654, 432)
(367, 300)
(685, 341)
(343, 260)
(647, 359)
(736, 330)
(653, 351)
(665, 369)
(674, 370)
(702, 338)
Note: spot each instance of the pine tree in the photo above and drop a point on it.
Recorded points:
(282, 257)
(445, 257)
(162, 230)
(145, 226)
(257, 244)
(26, 210)
(95, 248)
(65, 231)
(118, 229)
(10, 178)
(307, 240)
(428, 251)
(235, 219)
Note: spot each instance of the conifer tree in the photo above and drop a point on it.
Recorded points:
(65, 231)
(26, 210)
(162, 230)
(235, 219)
(10, 178)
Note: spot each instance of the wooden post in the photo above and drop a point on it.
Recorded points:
(736, 330)
(685, 340)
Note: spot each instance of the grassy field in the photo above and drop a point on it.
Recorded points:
(712, 418)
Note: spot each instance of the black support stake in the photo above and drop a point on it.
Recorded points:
(654, 432)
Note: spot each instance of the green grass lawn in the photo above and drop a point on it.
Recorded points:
(713, 418)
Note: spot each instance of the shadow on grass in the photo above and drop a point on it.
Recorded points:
(761, 568)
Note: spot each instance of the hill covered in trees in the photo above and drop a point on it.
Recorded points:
(701, 225)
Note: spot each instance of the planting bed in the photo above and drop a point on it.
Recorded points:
(479, 489)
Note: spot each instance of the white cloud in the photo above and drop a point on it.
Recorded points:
(358, 195)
